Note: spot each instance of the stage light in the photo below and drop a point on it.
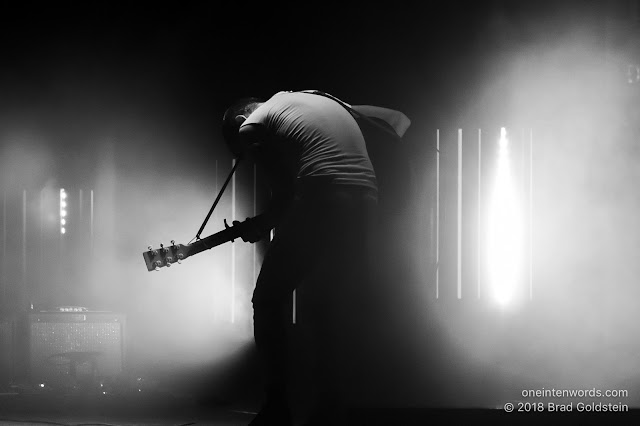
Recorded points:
(504, 230)
(63, 211)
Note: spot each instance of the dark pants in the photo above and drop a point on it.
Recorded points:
(320, 244)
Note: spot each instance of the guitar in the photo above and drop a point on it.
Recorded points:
(176, 253)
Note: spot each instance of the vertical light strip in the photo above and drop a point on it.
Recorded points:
(61, 231)
(523, 145)
(91, 224)
(24, 245)
(437, 213)
(4, 246)
(459, 274)
(80, 207)
(216, 306)
(215, 213)
(531, 214)
(233, 247)
(253, 246)
(479, 237)
(80, 226)
(63, 210)
(294, 310)
(505, 229)
(41, 268)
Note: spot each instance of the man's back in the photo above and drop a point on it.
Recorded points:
(318, 137)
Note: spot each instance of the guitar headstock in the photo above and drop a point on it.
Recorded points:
(164, 256)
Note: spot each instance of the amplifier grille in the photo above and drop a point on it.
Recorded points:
(59, 339)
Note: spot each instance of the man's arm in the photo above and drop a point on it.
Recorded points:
(261, 148)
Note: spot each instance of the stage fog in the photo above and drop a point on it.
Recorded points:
(134, 140)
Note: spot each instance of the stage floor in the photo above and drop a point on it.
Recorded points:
(165, 410)
(126, 410)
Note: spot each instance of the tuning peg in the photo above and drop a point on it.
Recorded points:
(150, 248)
(168, 264)
(179, 261)
(157, 268)
(173, 242)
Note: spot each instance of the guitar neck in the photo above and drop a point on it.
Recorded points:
(213, 240)
(166, 256)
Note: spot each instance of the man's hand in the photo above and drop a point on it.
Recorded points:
(250, 230)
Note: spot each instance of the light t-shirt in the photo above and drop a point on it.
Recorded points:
(317, 137)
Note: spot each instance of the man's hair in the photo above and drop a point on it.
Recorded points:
(230, 127)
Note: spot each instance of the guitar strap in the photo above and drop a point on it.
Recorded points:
(215, 203)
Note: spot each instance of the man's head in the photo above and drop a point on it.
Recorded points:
(233, 117)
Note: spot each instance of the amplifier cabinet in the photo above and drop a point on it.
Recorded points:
(69, 343)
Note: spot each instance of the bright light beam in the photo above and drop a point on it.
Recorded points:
(504, 230)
